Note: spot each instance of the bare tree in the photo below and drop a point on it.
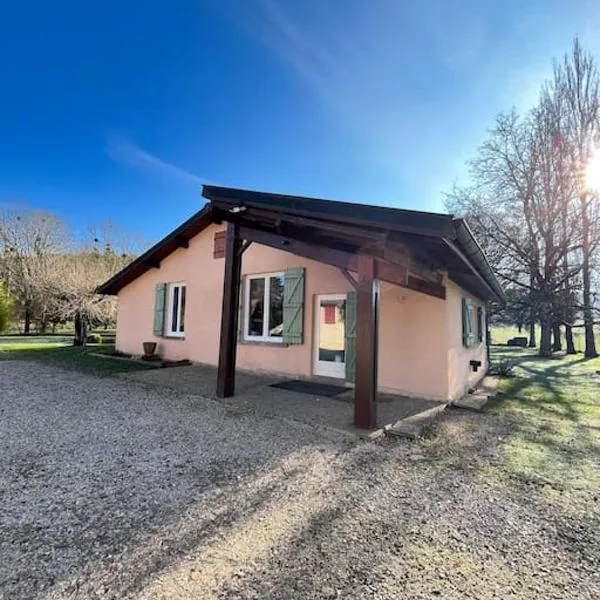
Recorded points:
(517, 206)
(28, 238)
(52, 277)
(576, 85)
(72, 283)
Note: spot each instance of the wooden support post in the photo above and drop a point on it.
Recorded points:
(229, 315)
(367, 309)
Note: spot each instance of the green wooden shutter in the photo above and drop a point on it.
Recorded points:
(350, 326)
(467, 323)
(160, 293)
(293, 306)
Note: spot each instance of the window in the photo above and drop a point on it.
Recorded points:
(263, 320)
(480, 324)
(176, 314)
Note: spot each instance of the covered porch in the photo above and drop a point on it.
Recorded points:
(367, 244)
(256, 395)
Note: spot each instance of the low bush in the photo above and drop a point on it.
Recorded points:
(502, 368)
(94, 338)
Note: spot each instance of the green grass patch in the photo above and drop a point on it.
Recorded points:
(555, 405)
(501, 334)
(68, 357)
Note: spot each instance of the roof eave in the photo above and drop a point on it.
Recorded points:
(476, 256)
(147, 260)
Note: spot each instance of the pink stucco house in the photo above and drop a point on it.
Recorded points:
(378, 298)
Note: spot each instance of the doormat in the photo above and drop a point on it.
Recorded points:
(314, 388)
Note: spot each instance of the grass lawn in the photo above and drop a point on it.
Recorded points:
(501, 334)
(555, 407)
(62, 354)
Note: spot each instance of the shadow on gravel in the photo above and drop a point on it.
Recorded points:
(452, 515)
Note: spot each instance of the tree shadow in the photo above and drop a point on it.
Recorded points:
(380, 519)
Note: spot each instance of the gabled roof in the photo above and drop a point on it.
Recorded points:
(178, 238)
(439, 240)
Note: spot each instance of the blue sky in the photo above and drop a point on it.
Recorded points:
(119, 110)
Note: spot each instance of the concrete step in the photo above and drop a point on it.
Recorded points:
(412, 427)
(472, 401)
(477, 399)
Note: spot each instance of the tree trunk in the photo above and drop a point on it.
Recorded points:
(80, 331)
(532, 316)
(27, 326)
(546, 339)
(588, 317)
(532, 342)
(569, 340)
(557, 342)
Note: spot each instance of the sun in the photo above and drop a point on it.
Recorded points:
(592, 172)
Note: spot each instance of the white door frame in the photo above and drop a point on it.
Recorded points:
(325, 368)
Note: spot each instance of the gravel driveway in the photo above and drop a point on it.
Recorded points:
(112, 489)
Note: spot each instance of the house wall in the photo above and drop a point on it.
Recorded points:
(203, 276)
(460, 375)
(420, 337)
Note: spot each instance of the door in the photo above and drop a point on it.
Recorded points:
(330, 336)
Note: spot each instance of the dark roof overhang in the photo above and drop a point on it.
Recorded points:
(437, 241)
(179, 238)
(434, 242)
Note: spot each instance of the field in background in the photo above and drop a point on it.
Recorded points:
(501, 334)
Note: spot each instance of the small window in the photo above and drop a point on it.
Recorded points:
(264, 308)
(480, 324)
(176, 315)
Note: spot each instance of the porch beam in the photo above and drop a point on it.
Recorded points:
(330, 256)
(367, 310)
(245, 246)
(385, 271)
(349, 277)
(437, 290)
(229, 313)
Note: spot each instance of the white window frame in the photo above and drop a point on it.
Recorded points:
(169, 324)
(266, 308)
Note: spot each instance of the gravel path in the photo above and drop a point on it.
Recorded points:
(112, 489)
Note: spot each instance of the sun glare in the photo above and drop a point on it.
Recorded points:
(592, 172)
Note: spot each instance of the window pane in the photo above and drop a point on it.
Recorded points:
(174, 305)
(182, 310)
(256, 307)
(276, 306)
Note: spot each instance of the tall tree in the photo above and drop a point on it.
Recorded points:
(516, 204)
(28, 239)
(576, 84)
